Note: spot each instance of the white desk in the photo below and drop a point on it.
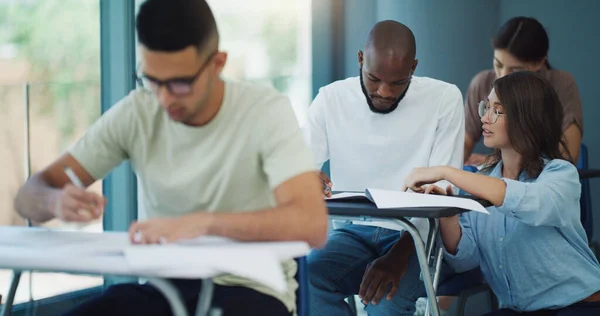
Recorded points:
(110, 253)
(428, 252)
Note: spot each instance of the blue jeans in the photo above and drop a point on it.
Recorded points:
(336, 272)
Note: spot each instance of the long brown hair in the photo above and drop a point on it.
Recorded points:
(534, 118)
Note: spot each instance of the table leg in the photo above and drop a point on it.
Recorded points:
(431, 236)
(436, 274)
(171, 294)
(205, 298)
(438, 266)
(435, 260)
(423, 261)
(10, 296)
(177, 305)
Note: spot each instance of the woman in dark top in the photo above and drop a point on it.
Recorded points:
(522, 44)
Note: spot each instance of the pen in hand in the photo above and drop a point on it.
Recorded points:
(73, 177)
(326, 183)
(77, 183)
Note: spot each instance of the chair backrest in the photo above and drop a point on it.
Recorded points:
(302, 303)
(586, 200)
(470, 168)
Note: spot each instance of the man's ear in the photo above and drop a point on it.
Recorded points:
(414, 67)
(360, 58)
(220, 61)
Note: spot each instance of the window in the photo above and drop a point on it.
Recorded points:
(268, 41)
(50, 61)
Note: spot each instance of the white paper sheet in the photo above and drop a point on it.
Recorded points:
(64, 241)
(85, 252)
(345, 195)
(259, 265)
(396, 199)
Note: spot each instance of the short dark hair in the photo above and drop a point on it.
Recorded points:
(173, 25)
(525, 38)
(534, 118)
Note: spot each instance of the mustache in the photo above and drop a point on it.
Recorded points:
(378, 97)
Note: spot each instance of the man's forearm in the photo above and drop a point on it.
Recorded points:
(286, 223)
(35, 200)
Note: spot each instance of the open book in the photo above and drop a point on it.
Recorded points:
(397, 199)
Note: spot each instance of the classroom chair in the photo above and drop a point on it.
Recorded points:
(585, 202)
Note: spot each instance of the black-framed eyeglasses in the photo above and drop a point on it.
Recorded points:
(492, 112)
(181, 86)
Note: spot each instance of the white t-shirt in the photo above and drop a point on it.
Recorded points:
(231, 164)
(372, 150)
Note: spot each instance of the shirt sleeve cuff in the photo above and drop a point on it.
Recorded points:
(514, 194)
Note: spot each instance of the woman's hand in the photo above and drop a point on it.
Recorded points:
(420, 177)
(434, 189)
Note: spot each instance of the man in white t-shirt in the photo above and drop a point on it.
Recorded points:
(374, 129)
(212, 157)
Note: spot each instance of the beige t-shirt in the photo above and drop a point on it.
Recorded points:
(232, 164)
(562, 82)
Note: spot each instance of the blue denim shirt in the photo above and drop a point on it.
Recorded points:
(532, 250)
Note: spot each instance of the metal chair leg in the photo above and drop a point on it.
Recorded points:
(12, 291)
(352, 303)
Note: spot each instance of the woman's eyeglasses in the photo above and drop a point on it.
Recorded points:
(492, 112)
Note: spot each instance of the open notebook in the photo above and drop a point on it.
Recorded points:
(397, 199)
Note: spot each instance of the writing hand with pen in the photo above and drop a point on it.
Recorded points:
(74, 203)
(327, 184)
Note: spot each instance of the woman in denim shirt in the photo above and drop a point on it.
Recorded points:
(531, 248)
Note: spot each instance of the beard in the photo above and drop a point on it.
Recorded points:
(370, 102)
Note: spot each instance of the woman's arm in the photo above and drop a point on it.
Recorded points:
(551, 200)
(572, 137)
(482, 186)
(485, 187)
(451, 233)
(460, 244)
(458, 236)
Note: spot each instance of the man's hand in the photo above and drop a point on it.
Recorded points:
(327, 184)
(73, 204)
(476, 160)
(382, 273)
(167, 230)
